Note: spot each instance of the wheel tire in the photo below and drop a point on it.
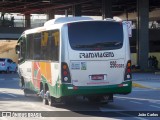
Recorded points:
(25, 92)
(45, 101)
(51, 101)
(49, 98)
(7, 71)
(15, 70)
(22, 83)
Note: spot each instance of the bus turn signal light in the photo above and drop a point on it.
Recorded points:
(128, 74)
(65, 74)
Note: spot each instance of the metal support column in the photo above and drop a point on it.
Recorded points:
(77, 10)
(143, 33)
(27, 21)
(51, 15)
(66, 13)
(106, 9)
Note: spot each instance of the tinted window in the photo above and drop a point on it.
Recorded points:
(43, 46)
(23, 47)
(95, 35)
(50, 45)
(2, 60)
(9, 60)
(37, 46)
(30, 46)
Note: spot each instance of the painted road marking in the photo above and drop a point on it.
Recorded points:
(121, 99)
(136, 102)
(155, 102)
(141, 99)
(9, 94)
(15, 79)
(155, 106)
(2, 79)
(141, 90)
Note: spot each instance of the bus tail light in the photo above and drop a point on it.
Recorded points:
(128, 74)
(65, 74)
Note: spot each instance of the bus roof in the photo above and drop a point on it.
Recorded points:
(34, 30)
(65, 20)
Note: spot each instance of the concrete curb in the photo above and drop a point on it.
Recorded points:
(142, 86)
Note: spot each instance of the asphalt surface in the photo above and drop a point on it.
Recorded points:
(142, 101)
(147, 80)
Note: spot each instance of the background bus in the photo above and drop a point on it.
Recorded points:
(68, 57)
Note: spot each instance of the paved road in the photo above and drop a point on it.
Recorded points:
(123, 107)
(148, 80)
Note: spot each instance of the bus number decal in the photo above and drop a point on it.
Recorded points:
(113, 64)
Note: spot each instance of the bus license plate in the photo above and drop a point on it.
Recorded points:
(97, 77)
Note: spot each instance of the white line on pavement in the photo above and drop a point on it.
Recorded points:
(9, 94)
(136, 102)
(141, 99)
(155, 102)
(139, 90)
(15, 79)
(155, 106)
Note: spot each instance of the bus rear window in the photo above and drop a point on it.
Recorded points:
(96, 35)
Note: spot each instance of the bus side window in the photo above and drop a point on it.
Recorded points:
(30, 46)
(23, 48)
(37, 46)
(44, 42)
(55, 45)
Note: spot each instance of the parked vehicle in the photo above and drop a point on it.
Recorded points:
(7, 65)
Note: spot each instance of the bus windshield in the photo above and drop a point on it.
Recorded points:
(96, 35)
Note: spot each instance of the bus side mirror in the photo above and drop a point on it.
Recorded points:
(17, 49)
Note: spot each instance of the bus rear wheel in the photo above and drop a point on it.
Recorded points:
(8, 70)
(45, 99)
(51, 101)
